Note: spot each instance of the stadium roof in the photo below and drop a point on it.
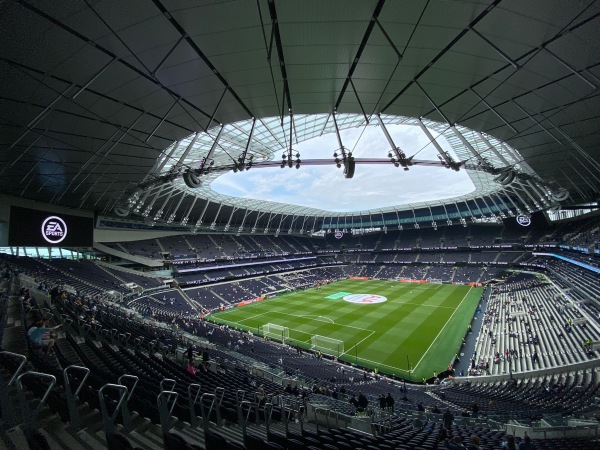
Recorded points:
(105, 105)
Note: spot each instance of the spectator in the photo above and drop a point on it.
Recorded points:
(362, 402)
(261, 396)
(190, 368)
(455, 444)
(389, 402)
(448, 419)
(526, 443)
(40, 335)
(510, 443)
(474, 445)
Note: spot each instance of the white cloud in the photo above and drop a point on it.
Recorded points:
(373, 186)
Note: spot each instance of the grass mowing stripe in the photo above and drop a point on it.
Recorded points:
(418, 322)
(440, 332)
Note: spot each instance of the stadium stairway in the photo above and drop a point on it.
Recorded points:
(52, 418)
(468, 349)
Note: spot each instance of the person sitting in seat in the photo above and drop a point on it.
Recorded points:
(261, 396)
(40, 335)
(191, 369)
(455, 444)
(526, 443)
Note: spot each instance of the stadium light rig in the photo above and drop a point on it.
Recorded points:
(347, 160)
(287, 160)
(396, 155)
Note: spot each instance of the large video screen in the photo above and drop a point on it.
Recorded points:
(525, 221)
(34, 228)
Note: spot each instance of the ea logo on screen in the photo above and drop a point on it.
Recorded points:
(54, 229)
(338, 234)
(523, 220)
(365, 298)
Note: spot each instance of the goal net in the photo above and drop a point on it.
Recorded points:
(276, 332)
(327, 345)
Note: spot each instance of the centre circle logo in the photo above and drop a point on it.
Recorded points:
(54, 229)
(338, 234)
(524, 220)
(365, 298)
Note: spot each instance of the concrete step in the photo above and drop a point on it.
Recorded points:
(151, 440)
(15, 438)
(93, 440)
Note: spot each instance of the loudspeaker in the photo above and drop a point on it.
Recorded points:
(191, 180)
(349, 166)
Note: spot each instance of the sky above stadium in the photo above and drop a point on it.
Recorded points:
(373, 186)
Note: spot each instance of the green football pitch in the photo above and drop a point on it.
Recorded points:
(415, 331)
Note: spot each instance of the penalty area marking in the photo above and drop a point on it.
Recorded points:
(421, 304)
(438, 335)
(343, 326)
(321, 318)
(378, 364)
(359, 342)
(252, 317)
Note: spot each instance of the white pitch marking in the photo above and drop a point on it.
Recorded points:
(438, 335)
(356, 345)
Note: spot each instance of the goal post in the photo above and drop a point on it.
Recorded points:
(276, 332)
(327, 345)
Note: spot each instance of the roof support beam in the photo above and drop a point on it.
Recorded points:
(199, 221)
(493, 149)
(514, 102)
(242, 158)
(494, 111)
(164, 60)
(388, 38)
(574, 144)
(442, 53)
(186, 152)
(213, 225)
(258, 216)
(466, 143)
(201, 54)
(437, 146)
(94, 77)
(215, 143)
(279, 44)
(569, 67)
(162, 120)
(40, 116)
(339, 137)
(575, 185)
(495, 47)
(359, 102)
(433, 104)
(104, 50)
(172, 216)
(110, 149)
(166, 158)
(246, 214)
(186, 216)
(359, 52)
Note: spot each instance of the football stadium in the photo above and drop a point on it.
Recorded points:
(300, 224)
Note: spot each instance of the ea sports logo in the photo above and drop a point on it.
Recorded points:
(524, 220)
(338, 234)
(54, 229)
(365, 298)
